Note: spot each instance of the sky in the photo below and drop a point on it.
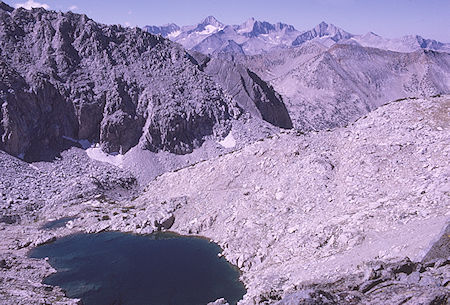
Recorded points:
(388, 18)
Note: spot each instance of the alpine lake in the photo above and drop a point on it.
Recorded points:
(159, 269)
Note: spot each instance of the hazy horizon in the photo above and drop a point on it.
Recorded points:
(386, 18)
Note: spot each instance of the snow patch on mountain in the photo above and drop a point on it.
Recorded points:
(95, 153)
(229, 141)
(258, 37)
(209, 29)
(173, 34)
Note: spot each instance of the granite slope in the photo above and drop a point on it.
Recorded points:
(302, 215)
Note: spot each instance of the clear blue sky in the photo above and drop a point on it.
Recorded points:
(389, 18)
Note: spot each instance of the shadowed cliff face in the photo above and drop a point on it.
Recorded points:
(251, 93)
(66, 75)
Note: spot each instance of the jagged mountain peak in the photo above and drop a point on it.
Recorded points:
(257, 36)
(247, 26)
(211, 20)
(323, 29)
(281, 26)
(209, 25)
(254, 28)
(5, 7)
(166, 30)
(211, 36)
(322, 24)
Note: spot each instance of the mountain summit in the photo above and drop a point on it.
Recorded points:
(211, 36)
(211, 20)
(322, 30)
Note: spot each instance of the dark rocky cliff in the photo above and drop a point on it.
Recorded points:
(65, 75)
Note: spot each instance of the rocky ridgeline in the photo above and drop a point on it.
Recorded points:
(317, 218)
(329, 87)
(62, 74)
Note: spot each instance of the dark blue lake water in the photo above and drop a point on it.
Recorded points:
(159, 269)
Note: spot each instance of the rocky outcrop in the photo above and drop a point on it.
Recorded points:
(66, 75)
(36, 115)
(401, 282)
(252, 94)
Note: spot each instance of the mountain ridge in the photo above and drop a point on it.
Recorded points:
(256, 37)
(118, 86)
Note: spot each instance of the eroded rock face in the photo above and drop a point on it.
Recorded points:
(66, 75)
(252, 94)
(31, 113)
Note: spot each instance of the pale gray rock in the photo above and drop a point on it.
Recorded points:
(339, 207)
(338, 211)
(26, 189)
(331, 87)
(251, 93)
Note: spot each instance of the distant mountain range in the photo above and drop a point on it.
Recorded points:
(326, 76)
(256, 37)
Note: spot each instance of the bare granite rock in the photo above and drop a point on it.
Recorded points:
(298, 208)
(322, 217)
(64, 75)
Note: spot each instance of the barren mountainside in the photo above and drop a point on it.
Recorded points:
(328, 87)
(66, 75)
(320, 170)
